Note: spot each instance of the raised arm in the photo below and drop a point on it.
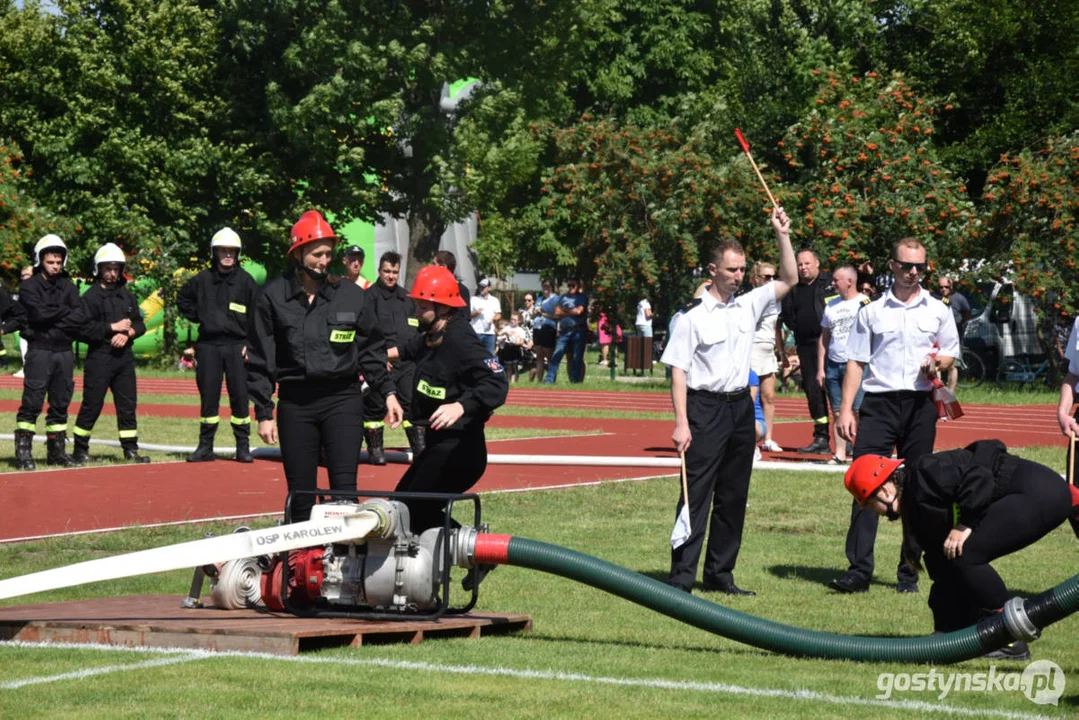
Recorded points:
(788, 273)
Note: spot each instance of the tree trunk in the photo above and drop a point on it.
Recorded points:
(424, 237)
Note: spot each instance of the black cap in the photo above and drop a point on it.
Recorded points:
(354, 250)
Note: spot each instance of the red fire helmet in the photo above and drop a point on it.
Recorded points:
(867, 474)
(310, 228)
(438, 285)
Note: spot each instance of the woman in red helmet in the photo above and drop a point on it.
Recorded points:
(311, 337)
(458, 384)
(966, 507)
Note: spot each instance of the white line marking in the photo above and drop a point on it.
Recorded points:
(553, 437)
(196, 521)
(803, 695)
(91, 672)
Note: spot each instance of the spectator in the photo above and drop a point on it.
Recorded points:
(514, 344)
(792, 367)
(838, 319)
(187, 358)
(960, 308)
(606, 338)
(644, 318)
(571, 311)
(767, 343)
(801, 311)
(486, 312)
(529, 312)
(24, 274)
(759, 422)
(545, 330)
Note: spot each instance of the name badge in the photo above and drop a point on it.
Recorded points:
(432, 392)
(413, 322)
(237, 307)
(342, 336)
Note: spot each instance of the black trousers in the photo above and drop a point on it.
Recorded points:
(214, 363)
(967, 588)
(718, 465)
(905, 422)
(312, 416)
(374, 402)
(51, 372)
(815, 395)
(452, 462)
(101, 373)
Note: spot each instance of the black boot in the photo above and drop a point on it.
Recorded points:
(819, 446)
(56, 455)
(242, 433)
(415, 436)
(24, 450)
(131, 452)
(205, 451)
(81, 453)
(376, 455)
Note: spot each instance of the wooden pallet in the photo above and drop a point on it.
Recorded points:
(159, 621)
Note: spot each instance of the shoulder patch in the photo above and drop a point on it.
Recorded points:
(829, 298)
(866, 300)
(493, 365)
(691, 304)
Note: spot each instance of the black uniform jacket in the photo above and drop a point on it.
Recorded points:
(334, 339)
(955, 487)
(396, 313)
(220, 303)
(803, 308)
(53, 310)
(458, 370)
(12, 314)
(102, 307)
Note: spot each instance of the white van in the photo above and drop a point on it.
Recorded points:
(1002, 324)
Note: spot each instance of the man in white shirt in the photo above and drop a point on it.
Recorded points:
(644, 318)
(486, 312)
(898, 344)
(709, 356)
(835, 326)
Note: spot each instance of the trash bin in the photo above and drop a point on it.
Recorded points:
(638, 353)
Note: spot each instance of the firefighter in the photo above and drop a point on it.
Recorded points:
(396, 317)
(219, 299)
(53, 311)
(966, 508)
(311, 338)
(458, 384)
(112, 322)
(12, 319)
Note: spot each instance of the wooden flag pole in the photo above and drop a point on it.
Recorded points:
(1069, 471)
(685, 487)
(745, 148)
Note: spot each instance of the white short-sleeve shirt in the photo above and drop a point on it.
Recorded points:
(712, 342)
(488, 306)
(894, 340)
(642, 317)
(1071, 352)
(839, 317)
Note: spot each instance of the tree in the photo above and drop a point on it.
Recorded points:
(22, 221)
(867, 174)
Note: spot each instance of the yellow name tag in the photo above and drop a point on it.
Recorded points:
(432, 392)
(237, 307)
(414, 322)
(342, 336)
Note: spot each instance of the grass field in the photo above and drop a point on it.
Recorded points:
(589, 655)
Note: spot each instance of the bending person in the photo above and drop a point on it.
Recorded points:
(312, 337)
(458, 384)
(966, 508)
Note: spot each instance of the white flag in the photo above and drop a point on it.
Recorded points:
(681, 529)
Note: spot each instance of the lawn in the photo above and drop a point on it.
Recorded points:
(590, 655)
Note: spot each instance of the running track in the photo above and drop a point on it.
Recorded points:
(56, 501)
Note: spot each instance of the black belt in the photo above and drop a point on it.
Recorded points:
(727, 397)
(900, 394)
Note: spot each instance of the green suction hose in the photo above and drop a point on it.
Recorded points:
(1020, 620)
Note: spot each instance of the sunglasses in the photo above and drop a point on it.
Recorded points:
(908, 266)
(768, 277)
(944, 287)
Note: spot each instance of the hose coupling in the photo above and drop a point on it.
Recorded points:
(1018, 623)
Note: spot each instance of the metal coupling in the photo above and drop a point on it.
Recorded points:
(1018, 622)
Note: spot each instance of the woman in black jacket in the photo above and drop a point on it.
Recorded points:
(966, 508)
(458, 384)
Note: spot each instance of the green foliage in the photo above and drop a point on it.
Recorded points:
(868, 174)
(1031, 205)
(22, 222)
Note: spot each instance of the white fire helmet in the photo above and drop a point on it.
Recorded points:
(49, 242)
(108, 253)
(225, 237)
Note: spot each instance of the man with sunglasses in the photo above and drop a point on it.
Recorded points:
(899, 342)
